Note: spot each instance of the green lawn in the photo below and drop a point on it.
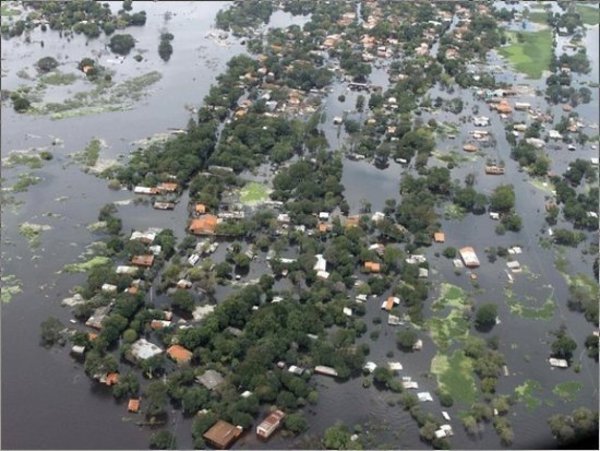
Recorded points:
(531, 56)
(254, 193)
(589, 15)
(525, 393)
(538, 17)
(567, 391)
(455, 376)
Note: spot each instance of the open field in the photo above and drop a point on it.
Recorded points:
(532, 55)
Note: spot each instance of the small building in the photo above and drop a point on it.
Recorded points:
(394, 320)
(109, 379)
(108, 288)
(298, 371)
(78, 350)
(372, 267)
(347, 311)
(326, 370)
(145, 261)
(424, 396)
(439, 237)
(202, 311)
(522, 106)
(199, 208)
(370, 367)
(321, 264)
(157, 324)
(222, 434)
(142, 349)
(163, 205)
(211, 379)
(469, 257)
(124, 269)
(352, 221)
(558, 363)
(180, 354)
(144, 237)
(395, 366)
(204, 225)
(133, 405)
(494, 170)
(481, 121)
(98, 317)
(167, 187)
(470, 148)
(337, 120)
(270, 424)
(145, 190)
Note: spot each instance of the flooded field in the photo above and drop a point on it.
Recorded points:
(48, 401)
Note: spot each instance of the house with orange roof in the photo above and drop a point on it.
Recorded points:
(352, 221)
(179, 354)
(145, 261)
(204, 225)
(503, 107)
(133, 405)
(439, 237)
(372, 267)
(167, 187)
(199, 208)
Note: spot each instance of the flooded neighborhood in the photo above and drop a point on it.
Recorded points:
(298, 224)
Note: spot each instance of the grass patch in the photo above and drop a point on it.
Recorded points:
(453, 327)
(454, 212)
(89, 156)
(33, 232)
(20, 158)
(529, 52)
(526, 393)
(58, 78)
(453, 157)
(6, 11)
(455, 376)
(24, 182)
(538, 17)
(11, 286)
(518, 307)
(99, 226)
(567, 391)
(87, 265)
(105, 97)
(589, 15)
(254, 193)
(542, 185)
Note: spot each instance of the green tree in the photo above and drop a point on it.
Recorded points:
(503, 199)
(52, 331)
(295, 423)
(337, 437)
(121, 43)
(163, 440)
(563, 345)
(485, 317)
(406, 339)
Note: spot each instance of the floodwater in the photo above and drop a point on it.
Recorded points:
(48, 402)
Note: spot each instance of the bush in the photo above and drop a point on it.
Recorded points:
(46, 64)
(52, 332)
(162, 440)
(406, 339)
(485, 317)
(20, 104)
(446, 399)
(449, 252)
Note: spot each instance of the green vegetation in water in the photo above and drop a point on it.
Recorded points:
(525, 393)
(87, 265)
(89, 156)
(33, 232)
(24, 181)
(455, 376)
(567, 391)
(6, 11)
(453, 211)
(99, 226)
(11, 286)
(518, 307)
(589, 14)
(58, 78)
(453, 327)
(453, 157)
(529, 52)
(105, 97)
(542, 184)
(254, 193)
(22, 158)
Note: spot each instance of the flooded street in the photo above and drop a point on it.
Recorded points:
(47, 400)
